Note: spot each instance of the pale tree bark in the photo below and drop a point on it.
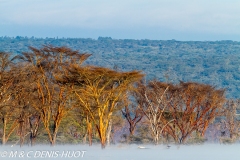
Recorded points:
(154, 109)
(89, 131)
(100, 92)
(109, 131)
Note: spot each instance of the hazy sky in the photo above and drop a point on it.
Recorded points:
(122, 19)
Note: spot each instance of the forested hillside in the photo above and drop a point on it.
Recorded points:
(210, 62)
(58, 95)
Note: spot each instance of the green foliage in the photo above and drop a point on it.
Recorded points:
(211, 62)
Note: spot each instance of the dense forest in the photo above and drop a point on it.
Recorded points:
(131, 91)
(210, 62)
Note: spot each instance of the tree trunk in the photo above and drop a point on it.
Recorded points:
(204, 129)
(101, 128)
(34, 126)
(32, 139)
(109, 132)
(103, 144)
(89, 131)
(21, 131)
(102, 136)
(52, 143)
(54, 137)
(156, 138)
(131, 129)
(85, 138)
(4, 131)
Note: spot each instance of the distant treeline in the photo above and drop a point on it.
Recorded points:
(210, 62)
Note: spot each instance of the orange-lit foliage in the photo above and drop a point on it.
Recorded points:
(193, 107)
(190, 107)
(52, 98)
(99, 91)
(8, 113)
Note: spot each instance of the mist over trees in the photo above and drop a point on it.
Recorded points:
(59, 95)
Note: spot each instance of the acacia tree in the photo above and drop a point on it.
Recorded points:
(99, 90)
(20, 100)
(152, 101)
(181, 109)
(133, 116)
(14, 97)
(23, 97)
(8, 112)
(231, 121)
(193, 106)
(52, 98)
